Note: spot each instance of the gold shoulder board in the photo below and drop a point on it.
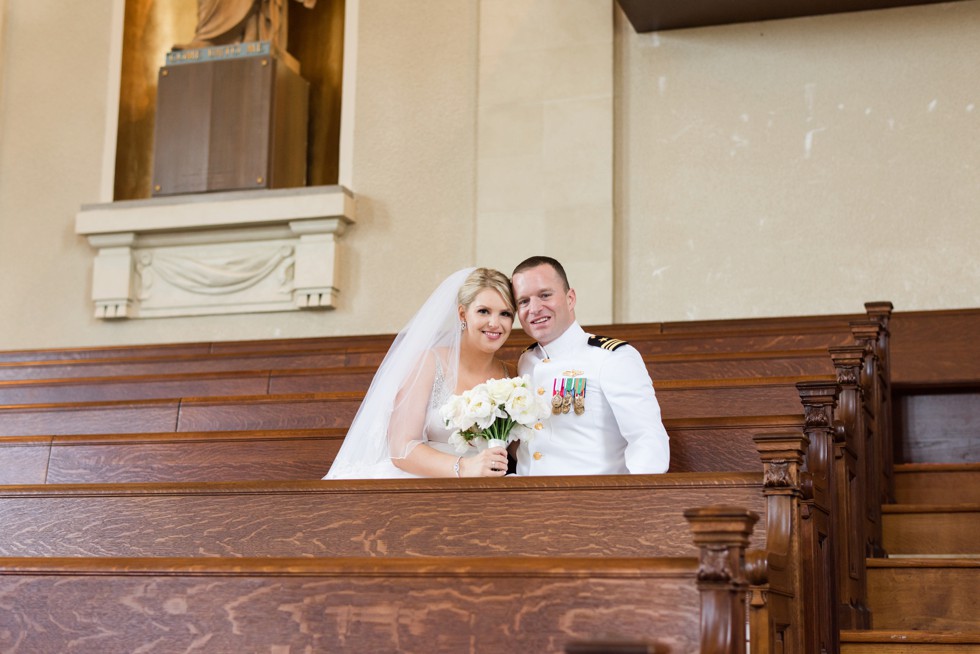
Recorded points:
(606, 343)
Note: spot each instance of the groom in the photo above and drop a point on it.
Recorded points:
(605, 416)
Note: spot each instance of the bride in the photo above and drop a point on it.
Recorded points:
(449, 346)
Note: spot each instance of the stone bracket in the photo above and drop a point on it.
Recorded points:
(217, 253)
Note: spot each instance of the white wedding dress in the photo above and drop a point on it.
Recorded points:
(401, 408)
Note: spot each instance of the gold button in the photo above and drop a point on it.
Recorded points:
(537, 456)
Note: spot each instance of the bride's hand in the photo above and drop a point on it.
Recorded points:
(491, 462)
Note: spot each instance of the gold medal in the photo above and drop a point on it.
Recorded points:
(579, 405)
(556, 404)
(566, 403)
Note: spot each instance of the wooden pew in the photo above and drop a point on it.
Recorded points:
(335, 410)
(153, 350)
(314, 410)
(539, 517)
(194, 378)
(770, 326)
(650, 338)
(306, 454)
(361, 604)
(618, 515)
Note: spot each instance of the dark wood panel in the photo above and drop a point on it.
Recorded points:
(678, 399)
(111, 351)
(932, 530)
(936, 483)
(697, 445)
(325, 381)
(745, 397)
(628, 515)
(133, 388)
(936, 595)
(938, 428)
(200, 457)
(178, 364)
(935, 348)
(657, 15)
(340, 605)
(681, 343)
(89, 418)
(741, 364)
(305, 411)
(24, 460)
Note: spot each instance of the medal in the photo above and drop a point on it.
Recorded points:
(566, 403)
(568, 393)
(579, 396)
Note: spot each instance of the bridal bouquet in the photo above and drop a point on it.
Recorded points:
(500, 410)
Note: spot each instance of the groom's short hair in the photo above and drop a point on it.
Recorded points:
(534, 262)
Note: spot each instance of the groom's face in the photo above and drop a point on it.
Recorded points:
(545, 307)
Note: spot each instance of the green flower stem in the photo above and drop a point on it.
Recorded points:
(500, 429)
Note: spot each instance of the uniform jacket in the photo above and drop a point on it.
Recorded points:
(619, 429)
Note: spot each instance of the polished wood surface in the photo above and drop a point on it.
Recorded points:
(932, 529)
(347, 605)
(938, 426)
(697, 445)
(560, 516)
(935, 348)
(313, 409)
(935, 483)
(774, 395)
(938, 595)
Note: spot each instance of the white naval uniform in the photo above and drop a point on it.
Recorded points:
(620, 430)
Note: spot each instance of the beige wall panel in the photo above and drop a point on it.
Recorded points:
(800, 166)
(545, 147)
(413, 174)
(55, 65)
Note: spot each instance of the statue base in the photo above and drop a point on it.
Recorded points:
(229, 118)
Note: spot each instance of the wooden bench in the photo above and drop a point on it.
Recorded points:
(568, 516)
(309, 373)
(619, 515)
(306, 454)
(471, 603)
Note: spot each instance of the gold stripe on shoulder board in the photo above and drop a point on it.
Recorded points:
(606, 343)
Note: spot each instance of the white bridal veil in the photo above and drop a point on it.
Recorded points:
(390, 421)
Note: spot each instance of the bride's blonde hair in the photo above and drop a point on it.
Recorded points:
(482, 278)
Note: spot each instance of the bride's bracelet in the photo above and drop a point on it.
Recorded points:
(456, 465)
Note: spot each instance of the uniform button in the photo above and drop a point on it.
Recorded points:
(537, 456)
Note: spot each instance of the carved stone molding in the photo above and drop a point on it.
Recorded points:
(240, 252)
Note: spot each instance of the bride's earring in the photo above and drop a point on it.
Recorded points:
(462, 326)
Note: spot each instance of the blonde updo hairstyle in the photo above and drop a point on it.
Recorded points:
(483, 278)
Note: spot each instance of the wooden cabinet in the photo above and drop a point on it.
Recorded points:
(230, 124)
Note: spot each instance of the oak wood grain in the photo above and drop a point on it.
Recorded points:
(931, 529)
(937, 482)
(318, 410)
(936, 595)
(616, 515)
(345, 605)
(719, 444)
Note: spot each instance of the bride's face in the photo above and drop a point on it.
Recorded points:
(488, 321)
